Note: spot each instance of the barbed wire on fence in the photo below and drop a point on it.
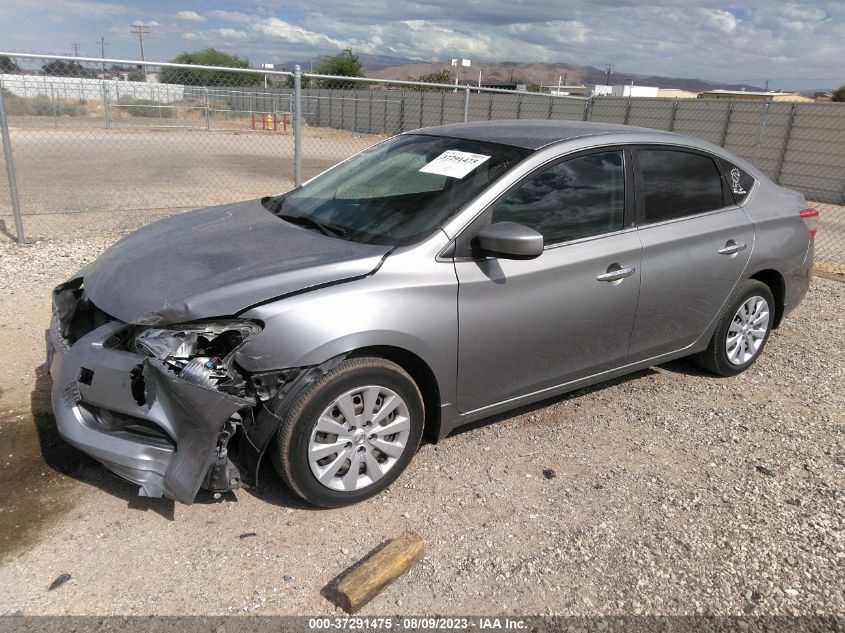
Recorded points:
(192, 136)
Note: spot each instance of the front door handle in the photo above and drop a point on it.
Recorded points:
(732, 248)
(616, 273)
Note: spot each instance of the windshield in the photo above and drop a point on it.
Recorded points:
(398, 190)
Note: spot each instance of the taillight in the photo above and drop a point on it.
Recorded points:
(811, 219)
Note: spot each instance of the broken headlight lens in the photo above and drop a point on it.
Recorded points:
(212, 339)
(198, 352)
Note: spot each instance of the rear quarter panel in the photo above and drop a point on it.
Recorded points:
(782, 241)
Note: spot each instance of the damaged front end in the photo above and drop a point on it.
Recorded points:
(156, 405)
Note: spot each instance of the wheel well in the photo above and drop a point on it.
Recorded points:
(419, 371)
(774, 280)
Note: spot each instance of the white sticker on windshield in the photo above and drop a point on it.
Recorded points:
(454, 164)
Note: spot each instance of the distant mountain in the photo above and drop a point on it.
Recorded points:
(541, 73)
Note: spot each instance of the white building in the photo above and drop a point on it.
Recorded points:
(624, 90)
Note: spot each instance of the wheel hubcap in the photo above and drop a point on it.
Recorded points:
(747, 330)
(358, 438)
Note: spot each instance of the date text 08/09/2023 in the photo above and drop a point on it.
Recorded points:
(418, 623)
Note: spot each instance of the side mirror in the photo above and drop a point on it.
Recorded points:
(509, 240)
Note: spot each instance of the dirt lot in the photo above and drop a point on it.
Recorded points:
(672, 492)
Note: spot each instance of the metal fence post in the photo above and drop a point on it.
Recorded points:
(442, 105)
(55, 106)
(402, 113)
(764, 118)
(207, 111)
(297, 126)
(588, 109)
(673, 115)
(422, 107)
(466, 105)
(786, 139)
(10, 169)
(106, 115)
(490, 108)
(628, 111)
(727, 123)
(519, 106)
(370, 115)
(551, 105)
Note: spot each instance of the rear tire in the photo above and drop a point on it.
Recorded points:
(351, 433)
(742, 332)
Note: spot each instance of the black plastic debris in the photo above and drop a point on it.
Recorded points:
(58, 582)
(794, 502)
(764, 471)
(549, 473)
(246, 535)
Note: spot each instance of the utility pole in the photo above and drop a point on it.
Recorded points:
(140, 29)
(608, 73)
(102, 44)
(75, 49)
(767, 84)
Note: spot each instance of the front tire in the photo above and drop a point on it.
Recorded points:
(743, 330)
(351, 433)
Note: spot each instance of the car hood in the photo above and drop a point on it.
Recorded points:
(217, 262)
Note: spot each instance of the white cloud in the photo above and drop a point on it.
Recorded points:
(230, 34)
(190, 16)
(230, 16)
(216, 35)
(279, 29)
(723, 20)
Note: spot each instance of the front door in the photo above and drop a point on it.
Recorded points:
(529, 325)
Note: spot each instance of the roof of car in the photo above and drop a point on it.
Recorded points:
(533, 134)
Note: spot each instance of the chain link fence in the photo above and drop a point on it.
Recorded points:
(91, 135)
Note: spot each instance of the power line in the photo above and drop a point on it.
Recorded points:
(140, 29)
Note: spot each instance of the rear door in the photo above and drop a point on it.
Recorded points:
(696, 245)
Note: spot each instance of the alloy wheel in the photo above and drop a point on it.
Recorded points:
(358, 438)
(747, 330)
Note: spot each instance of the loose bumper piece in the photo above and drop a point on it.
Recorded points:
(162, 439)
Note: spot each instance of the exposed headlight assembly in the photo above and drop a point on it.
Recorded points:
(199, 353)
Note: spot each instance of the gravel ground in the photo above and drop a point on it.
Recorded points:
(665, 492)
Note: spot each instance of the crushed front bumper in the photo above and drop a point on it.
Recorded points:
(134, 415)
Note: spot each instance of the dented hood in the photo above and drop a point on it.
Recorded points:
(217, 262)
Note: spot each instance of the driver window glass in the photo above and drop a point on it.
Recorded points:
(576, 198)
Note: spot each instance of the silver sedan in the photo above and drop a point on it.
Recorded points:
(437, 278)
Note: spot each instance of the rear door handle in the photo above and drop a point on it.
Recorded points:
(732, 248)
(616, 273)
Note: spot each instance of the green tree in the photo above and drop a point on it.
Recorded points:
(443, 76)
(839, 94)
(204, 77)
(61, 68)
(344, 64)
(8, 65)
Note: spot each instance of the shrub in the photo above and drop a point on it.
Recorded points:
(42, 105)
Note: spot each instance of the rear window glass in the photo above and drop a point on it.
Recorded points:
(739, 181)
(677, 184)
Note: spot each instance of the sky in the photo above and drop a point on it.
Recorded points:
(796, 45)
